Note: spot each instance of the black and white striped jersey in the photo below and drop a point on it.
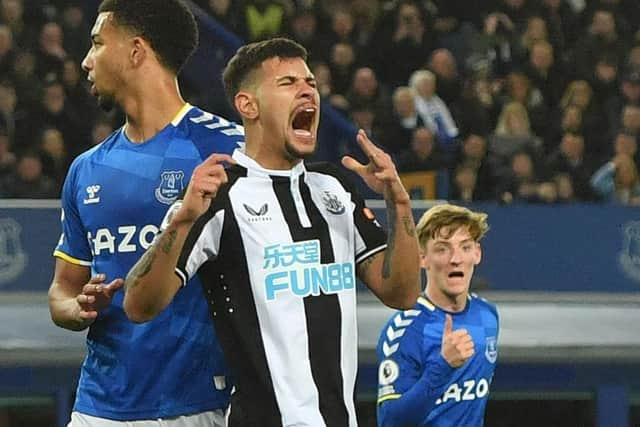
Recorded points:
(277, 254)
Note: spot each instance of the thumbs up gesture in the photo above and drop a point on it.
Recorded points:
(457, 346)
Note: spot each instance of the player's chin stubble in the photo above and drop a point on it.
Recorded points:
(295, 154)
(106, 102)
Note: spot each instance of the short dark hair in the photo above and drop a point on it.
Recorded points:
(249, 57)
(168, 26)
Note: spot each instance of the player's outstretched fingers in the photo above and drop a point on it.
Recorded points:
(353, 165)
(448, 325)
(113, 286)
(94, 285)
(367, 146)
(218, 158)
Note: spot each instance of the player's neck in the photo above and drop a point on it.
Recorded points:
(265, 152)
(452, 304)
(150, 107)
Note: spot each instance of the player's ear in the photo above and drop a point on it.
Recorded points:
(247, 105)
(138, 51)
(423, 258)
(478, 254)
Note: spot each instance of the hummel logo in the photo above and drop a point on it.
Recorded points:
(263, 210)
(92, 190)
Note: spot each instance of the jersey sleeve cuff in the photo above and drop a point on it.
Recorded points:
(369, 253)
(70, 259)
(394, 396)
(182, 276)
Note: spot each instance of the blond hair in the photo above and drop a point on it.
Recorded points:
(516, 109)
(450, 217)
(568, 97)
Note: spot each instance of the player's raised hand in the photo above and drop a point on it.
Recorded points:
(457, 346)
(205, 182)
(96, 295)
(380, 173)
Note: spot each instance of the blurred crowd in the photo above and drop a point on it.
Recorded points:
(530, 101)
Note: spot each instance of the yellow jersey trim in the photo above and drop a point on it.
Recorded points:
(424, 302)
(71, 259)
(389, 397)
(180, 115)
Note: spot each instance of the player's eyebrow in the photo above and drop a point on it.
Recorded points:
(449, 243)
(292, 78)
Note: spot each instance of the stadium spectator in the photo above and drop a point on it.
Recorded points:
(7, 51)
(569, 119)
(50, 53)
(396, 130)
(432, 109)
(617, 181)
(605, 79)
(601, 36)
(55, 159)
(27, 84)
(366, 90)
(8, 115)
(305, 29)
(579, 93)
(74, 29)
(12, 13)
(477, 110)
(544, 72)
(562, 22)
(512, 135)
(464, 184)
(518, 87)
(473, 153)
(571, 159)
(630, 119)
(343, 63)
(627, 144)
(7, 157)
(27, 180)
(226, 12)
(402, 48)
(522, 182)
(423, 153)
(443, 64)
(54, 111)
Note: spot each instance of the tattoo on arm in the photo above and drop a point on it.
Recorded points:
(167, 244)
(386, 265)
(409, 228)
(143, 266)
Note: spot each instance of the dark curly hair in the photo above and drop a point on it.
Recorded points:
(167, 25)
(249, 58)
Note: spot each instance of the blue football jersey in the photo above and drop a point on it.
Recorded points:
(113, 201)
(416, 386)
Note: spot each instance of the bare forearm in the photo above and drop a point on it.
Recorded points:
(151, 283)
(401, 264)
(65, 312)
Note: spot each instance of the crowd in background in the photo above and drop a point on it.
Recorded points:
(533, 101)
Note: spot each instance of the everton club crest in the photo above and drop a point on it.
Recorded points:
(171, 186)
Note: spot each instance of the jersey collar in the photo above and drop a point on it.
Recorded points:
(254, 169)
